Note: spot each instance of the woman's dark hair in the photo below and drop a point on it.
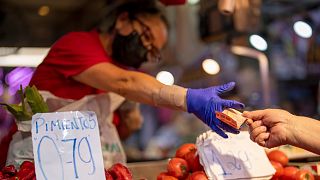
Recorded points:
(133, 8)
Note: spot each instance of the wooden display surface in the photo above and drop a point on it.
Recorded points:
(147, 170)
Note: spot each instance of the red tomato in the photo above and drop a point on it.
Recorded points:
(178, 168)
(278, 156)
(193, 161)
(289, 173)
(161, 175)
(278, 167)
(198, 175)
(184, 149)
(165, 176)
(304, 174)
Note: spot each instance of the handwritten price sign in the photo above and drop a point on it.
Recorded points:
(66, 145)
(234, 158)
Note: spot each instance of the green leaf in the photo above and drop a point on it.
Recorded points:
(35, 100)
(17, 112)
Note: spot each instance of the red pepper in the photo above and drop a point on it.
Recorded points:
(26, 174)
(119, 171)
(108, 175)
(9, 170)
(29, 176)
(27, 165)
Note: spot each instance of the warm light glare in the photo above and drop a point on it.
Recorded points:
(44, 10)
(165, 77)
(258, 42)
(210, 66)
(192, 2)
(302, 29)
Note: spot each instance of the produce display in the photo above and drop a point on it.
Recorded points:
(25, 172)
(185, 165)
(279, 161)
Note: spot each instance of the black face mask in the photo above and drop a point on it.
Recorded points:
(129, 50)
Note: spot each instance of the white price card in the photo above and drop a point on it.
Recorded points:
(66, 145)
(236, 157)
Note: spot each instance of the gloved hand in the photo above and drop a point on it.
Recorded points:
(205, 102)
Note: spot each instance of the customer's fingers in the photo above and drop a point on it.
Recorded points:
(262, 138)
(254, 115)
(254, 125)
(257, 131)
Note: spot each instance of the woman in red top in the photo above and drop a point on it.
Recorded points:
(82, 63)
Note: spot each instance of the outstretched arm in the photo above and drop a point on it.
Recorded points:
(275, 127)
(133, 85)
(146, 89)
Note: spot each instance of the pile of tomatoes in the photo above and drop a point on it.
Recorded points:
(26, 172)
(279, 161)
(185, 165)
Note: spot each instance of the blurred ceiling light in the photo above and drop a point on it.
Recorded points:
(165, 77)
(302, 29)
(258, 42)
(44, 10)
(210, 66)
(193, 2)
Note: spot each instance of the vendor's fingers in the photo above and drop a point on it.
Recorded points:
(262, 137)
(226, 127)
(229, 129)
(216, 129)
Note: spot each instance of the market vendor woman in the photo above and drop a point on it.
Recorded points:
(105, 59)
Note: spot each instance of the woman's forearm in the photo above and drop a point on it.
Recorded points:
(146, 89)
(134, 85)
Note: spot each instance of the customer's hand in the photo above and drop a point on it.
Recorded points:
(205, 102)
(270, 127)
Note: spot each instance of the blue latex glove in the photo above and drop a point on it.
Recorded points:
(205, 102)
